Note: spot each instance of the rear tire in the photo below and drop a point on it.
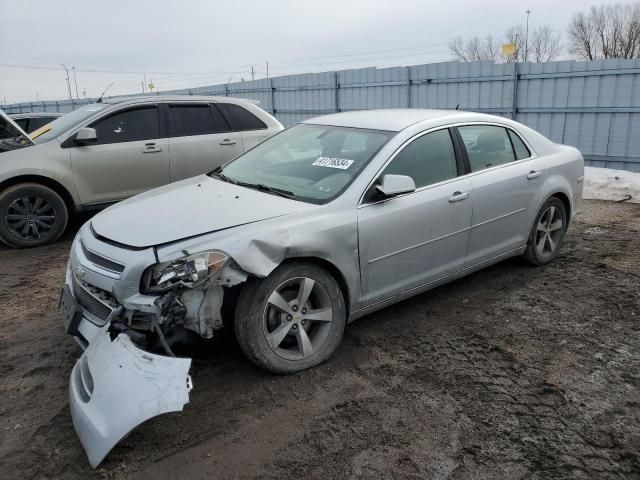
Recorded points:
(547, 233)
(31, 215)
(291, 320)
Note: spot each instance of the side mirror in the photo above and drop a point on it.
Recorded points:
(392, 185)
(86, 135)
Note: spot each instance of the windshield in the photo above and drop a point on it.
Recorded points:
(314, 163)
(65, 122)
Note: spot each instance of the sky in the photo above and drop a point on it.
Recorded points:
(196, 43)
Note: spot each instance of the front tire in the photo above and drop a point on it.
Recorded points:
(291, 320)
(547, 233)
(31, 215)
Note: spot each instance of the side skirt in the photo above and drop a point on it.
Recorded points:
(355, 314)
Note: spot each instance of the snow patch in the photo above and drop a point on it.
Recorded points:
(609, 184)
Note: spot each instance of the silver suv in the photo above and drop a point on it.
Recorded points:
(108, 151)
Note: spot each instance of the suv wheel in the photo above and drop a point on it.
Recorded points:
(31, 215)
(291, 320)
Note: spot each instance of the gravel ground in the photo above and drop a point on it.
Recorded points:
(513, 372)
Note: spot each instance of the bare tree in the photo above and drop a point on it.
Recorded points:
(582, 37)
(492, 49)
(475, 49)
(607, 31)
(544, 44)
(456, 45)
(515, 35)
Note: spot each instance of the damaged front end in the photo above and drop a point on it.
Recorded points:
(191, 294)
(115, 386)
(128, 372)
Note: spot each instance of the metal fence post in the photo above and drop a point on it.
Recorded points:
(273, 96)
(336, 87)
(408, 87)
(514, 108)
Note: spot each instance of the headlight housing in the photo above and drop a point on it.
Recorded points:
(188, 271)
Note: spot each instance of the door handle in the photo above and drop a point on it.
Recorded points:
(226, 141)
(458, 197)
(533, 175)
(152, 150)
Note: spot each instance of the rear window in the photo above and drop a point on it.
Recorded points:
(487, 146)
(241, 118)
(196, 120)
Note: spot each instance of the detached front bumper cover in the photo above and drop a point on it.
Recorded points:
(115, 386)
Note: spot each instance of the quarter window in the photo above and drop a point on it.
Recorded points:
(429, 159)
(518, 146)
(487, 146)
(128, 126)
(241, 118)
(196, 120)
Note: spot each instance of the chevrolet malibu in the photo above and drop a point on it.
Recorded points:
(319, 225)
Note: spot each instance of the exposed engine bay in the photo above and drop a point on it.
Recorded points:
(192, 293)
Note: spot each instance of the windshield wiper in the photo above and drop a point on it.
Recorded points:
(218, 173)
(257, 186)
(268, 189)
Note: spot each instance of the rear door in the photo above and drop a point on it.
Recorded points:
(200, 139)
(130, 156)
(507, 186)
(417, 238)
(253, 129)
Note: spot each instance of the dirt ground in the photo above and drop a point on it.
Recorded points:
(513, 372)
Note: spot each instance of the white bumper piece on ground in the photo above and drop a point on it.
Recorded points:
(115, 386)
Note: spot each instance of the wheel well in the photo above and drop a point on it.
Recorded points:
(333, 271)
(565, 200)
(47, 182)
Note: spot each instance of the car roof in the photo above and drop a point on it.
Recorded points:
(173, 98)
(397, 119)
(18, 116)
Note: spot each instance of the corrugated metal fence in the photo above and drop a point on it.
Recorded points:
(594, 106)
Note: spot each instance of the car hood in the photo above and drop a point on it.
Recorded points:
(188, 208)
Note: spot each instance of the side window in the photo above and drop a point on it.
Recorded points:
(39, 122)
(429, 159)
(196, 120)
(487, 146)
(241, 118)
(128, 126)
(518, 146)
(23, 123)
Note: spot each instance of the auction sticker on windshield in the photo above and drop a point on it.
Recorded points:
(332, 162)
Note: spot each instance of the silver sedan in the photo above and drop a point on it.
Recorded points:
(319, 225)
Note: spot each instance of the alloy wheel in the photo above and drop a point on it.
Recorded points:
(30, 217)
(549, 231)
(297, 318)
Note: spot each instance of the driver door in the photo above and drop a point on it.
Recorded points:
(128, 157)
(417, 238)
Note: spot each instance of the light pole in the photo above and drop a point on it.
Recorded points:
(75, 80)
(526, 37)
(68, 83)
